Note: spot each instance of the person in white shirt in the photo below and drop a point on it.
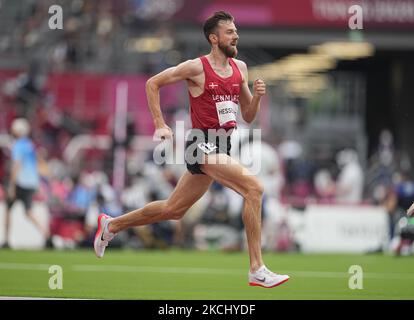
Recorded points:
(350, 183)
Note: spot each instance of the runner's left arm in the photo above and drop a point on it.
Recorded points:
(250, 104)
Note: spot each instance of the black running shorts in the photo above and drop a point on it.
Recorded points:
(201, 142)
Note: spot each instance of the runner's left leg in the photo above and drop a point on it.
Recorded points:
(230, 173)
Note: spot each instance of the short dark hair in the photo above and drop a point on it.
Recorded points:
(211, 23)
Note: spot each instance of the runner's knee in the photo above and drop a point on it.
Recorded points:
(174, 212)
(254, 191)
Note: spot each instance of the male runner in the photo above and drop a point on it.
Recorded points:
(217, 83)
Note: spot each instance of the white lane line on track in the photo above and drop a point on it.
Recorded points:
(38, 298)
(23, 266)
(186, 270)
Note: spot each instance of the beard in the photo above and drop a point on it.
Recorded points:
(228, 50)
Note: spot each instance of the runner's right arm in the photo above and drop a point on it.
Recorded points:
(183, 71)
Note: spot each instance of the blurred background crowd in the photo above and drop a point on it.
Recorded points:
(335, 124)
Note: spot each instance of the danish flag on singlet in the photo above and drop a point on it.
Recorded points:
(212, 85)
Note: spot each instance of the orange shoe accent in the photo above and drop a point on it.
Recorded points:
(253, 284)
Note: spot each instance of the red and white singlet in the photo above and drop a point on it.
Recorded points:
(217, 106)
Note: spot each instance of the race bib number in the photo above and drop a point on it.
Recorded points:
(207, 147)
(226, 111)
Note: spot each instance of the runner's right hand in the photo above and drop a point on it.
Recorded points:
(163, 133)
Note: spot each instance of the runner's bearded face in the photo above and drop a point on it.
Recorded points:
(227, 39)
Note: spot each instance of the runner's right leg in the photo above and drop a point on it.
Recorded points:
(189, 189)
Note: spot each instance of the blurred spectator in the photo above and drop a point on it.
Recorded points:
(50, 129)
(26, 89)
(150, 184)
(268, 160)
(398, 202)
(271, 176)
(42, 163)
(69, 208)
(298, 171)
(108, 199)
(324, 185)
(155, 178)
(3, 160)
(24, 176)
(404, 191)
(76, 208)
(134, 196)
(217, 228)
(82, 194)
(379, 176)
(65, 226)
(406, 234)
(30, 89)
(350, 182)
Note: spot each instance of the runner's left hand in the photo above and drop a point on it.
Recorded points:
(259, 88)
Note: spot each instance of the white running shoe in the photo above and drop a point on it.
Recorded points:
(265, 278)
(102, 236)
